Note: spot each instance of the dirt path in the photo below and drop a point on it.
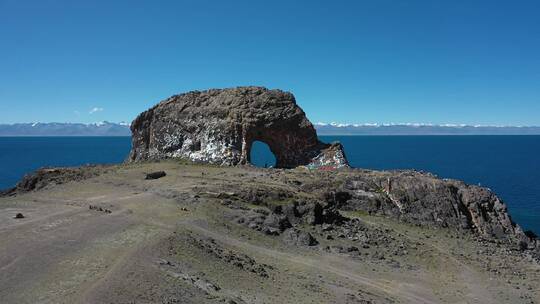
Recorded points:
(321, 264)
(63, 248)
(471, 278)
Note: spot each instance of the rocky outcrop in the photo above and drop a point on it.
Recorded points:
(219, 126)
(425, 200)
(330, 202)
(45, 177)
(282, 217)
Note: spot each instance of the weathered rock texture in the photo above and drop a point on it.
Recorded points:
(425, 200)
(219, 126)
(417, 198)
(45, 177)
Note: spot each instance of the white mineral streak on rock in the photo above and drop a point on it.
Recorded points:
(171, 141)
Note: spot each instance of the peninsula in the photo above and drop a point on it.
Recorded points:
(187, 219)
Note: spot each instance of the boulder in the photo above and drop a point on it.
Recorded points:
(276, 221)
(298, 237)
(155, 175)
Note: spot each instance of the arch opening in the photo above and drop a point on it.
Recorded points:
(261, 155)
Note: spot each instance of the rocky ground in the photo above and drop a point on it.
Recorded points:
(209, 234)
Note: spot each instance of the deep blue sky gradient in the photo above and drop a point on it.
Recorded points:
(474, 62)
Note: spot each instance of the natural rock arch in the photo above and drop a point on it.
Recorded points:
(261, 155)
(220, 125)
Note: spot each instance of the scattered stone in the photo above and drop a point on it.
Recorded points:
(378, 256)
(326, 227)
(155, 175)
(100, 209)
(197, 281)
(277, 222)
(341, 249)
(270, 231)
(239, 260)
(297, 237)
(283, 217)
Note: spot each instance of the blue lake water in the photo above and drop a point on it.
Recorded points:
(20, 155)
(509, 165)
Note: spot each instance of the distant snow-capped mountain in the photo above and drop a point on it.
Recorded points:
(421, 129)
(103, 128)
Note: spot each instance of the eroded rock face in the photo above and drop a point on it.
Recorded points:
(219, 126)
(425, 200)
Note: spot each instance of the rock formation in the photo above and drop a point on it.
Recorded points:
(45, 177)
(218, 126)
(417, 198)
(425, 200)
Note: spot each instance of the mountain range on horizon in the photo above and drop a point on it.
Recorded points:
(106, 128)
(422, 129)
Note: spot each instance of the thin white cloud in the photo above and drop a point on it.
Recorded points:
(77, 113)
(95, 109)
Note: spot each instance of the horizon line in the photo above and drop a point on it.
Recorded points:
(316, 124)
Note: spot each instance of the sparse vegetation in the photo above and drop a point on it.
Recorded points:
(179, 238)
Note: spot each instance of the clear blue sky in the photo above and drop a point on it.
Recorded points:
(460, 61)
